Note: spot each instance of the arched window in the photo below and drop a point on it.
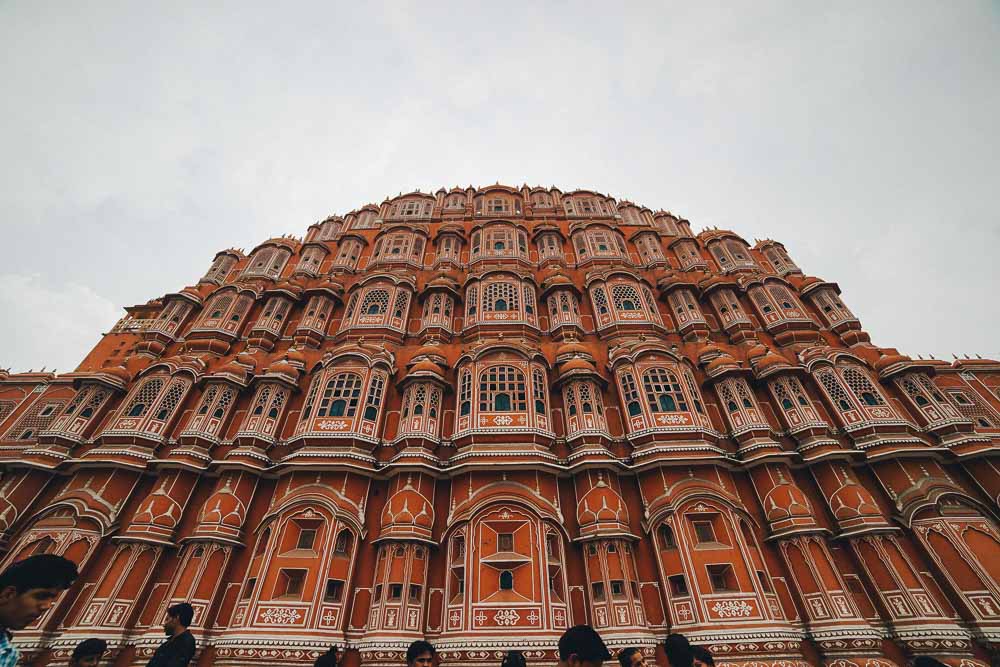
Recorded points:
(506, 581)
(663, 391)
(502, 389)
(343, 542)
(341, 396)
(465, 394)
(667, 540)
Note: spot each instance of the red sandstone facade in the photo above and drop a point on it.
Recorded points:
(483, 416)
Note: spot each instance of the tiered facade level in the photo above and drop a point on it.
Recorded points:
(485, 415)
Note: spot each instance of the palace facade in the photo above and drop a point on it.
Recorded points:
(482, 416)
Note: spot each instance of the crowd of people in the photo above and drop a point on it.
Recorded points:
(30, 587)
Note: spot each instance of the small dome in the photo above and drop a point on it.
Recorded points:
(443, 280)
(430, 350)
(721, 363)
(426, 367)
(573, 348)
(756, 351)
(577, 364)
(770, 360)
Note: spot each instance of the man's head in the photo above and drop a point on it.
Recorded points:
(88, 653)
(328, 659)
(29, 587)
(581, 646)
(678, 651)
(631, 657)
(702, 658)
(420, 654)
(178, 618)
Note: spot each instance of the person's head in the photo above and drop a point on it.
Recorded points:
(514, 659)
(30, 587)
(581, 646)
(678, 651)
(178, 618)
(420, 654)
(927, 661)
(702, 658)
(88, 653)
(328, 659)
(631, 657)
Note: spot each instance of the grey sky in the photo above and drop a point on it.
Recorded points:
(140, 138)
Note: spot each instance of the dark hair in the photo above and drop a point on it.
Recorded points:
(701, 654)
(927, 661)
(328, 659)
(678, 651)
(88, 648)
(514, 659)
(183, 611)
(583, 641)
(625, 657)
(417, 649)
(41, 571)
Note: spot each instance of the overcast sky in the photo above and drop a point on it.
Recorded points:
(140, 138)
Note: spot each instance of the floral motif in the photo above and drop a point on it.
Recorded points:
(732, 608)
(506, 617)
(280, 616)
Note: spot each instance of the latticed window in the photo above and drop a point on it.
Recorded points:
(502, 389)
(437, 310)
(37, 419)
(341, 396)
(835, 390)
(685, 307)
(974, 408)
(599, 243)
(780, 260)
(317, 314)
(584, 406)
(500, 296)
(471, 302)
(142, 399)
(728, 306)
(600, 300)
(374, 400)
(310, 260)
(348, 253)
(832, 307)
(274, 315)
(789, 304)
(330, 229)
(795, 404)
(853, 394)
(365, 220)
(663, 391)
(564, 308)
(693, 390)
(539, 390)
(550, 246)
(541, 199)
(740, 406)
(170, 318)
(171, 399)
(267, 262)
(6, 407)
(626, 298)
(220, 269)
(411, 209)
(862, 386)
(649, 248)
(376, 302)
(465, 394)
(79, 412)
(455, 201)
(631, 216)
(630, 394)
(399, 305)
(688, 254)
(925, 395)
(448, 248)
(212, 409)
